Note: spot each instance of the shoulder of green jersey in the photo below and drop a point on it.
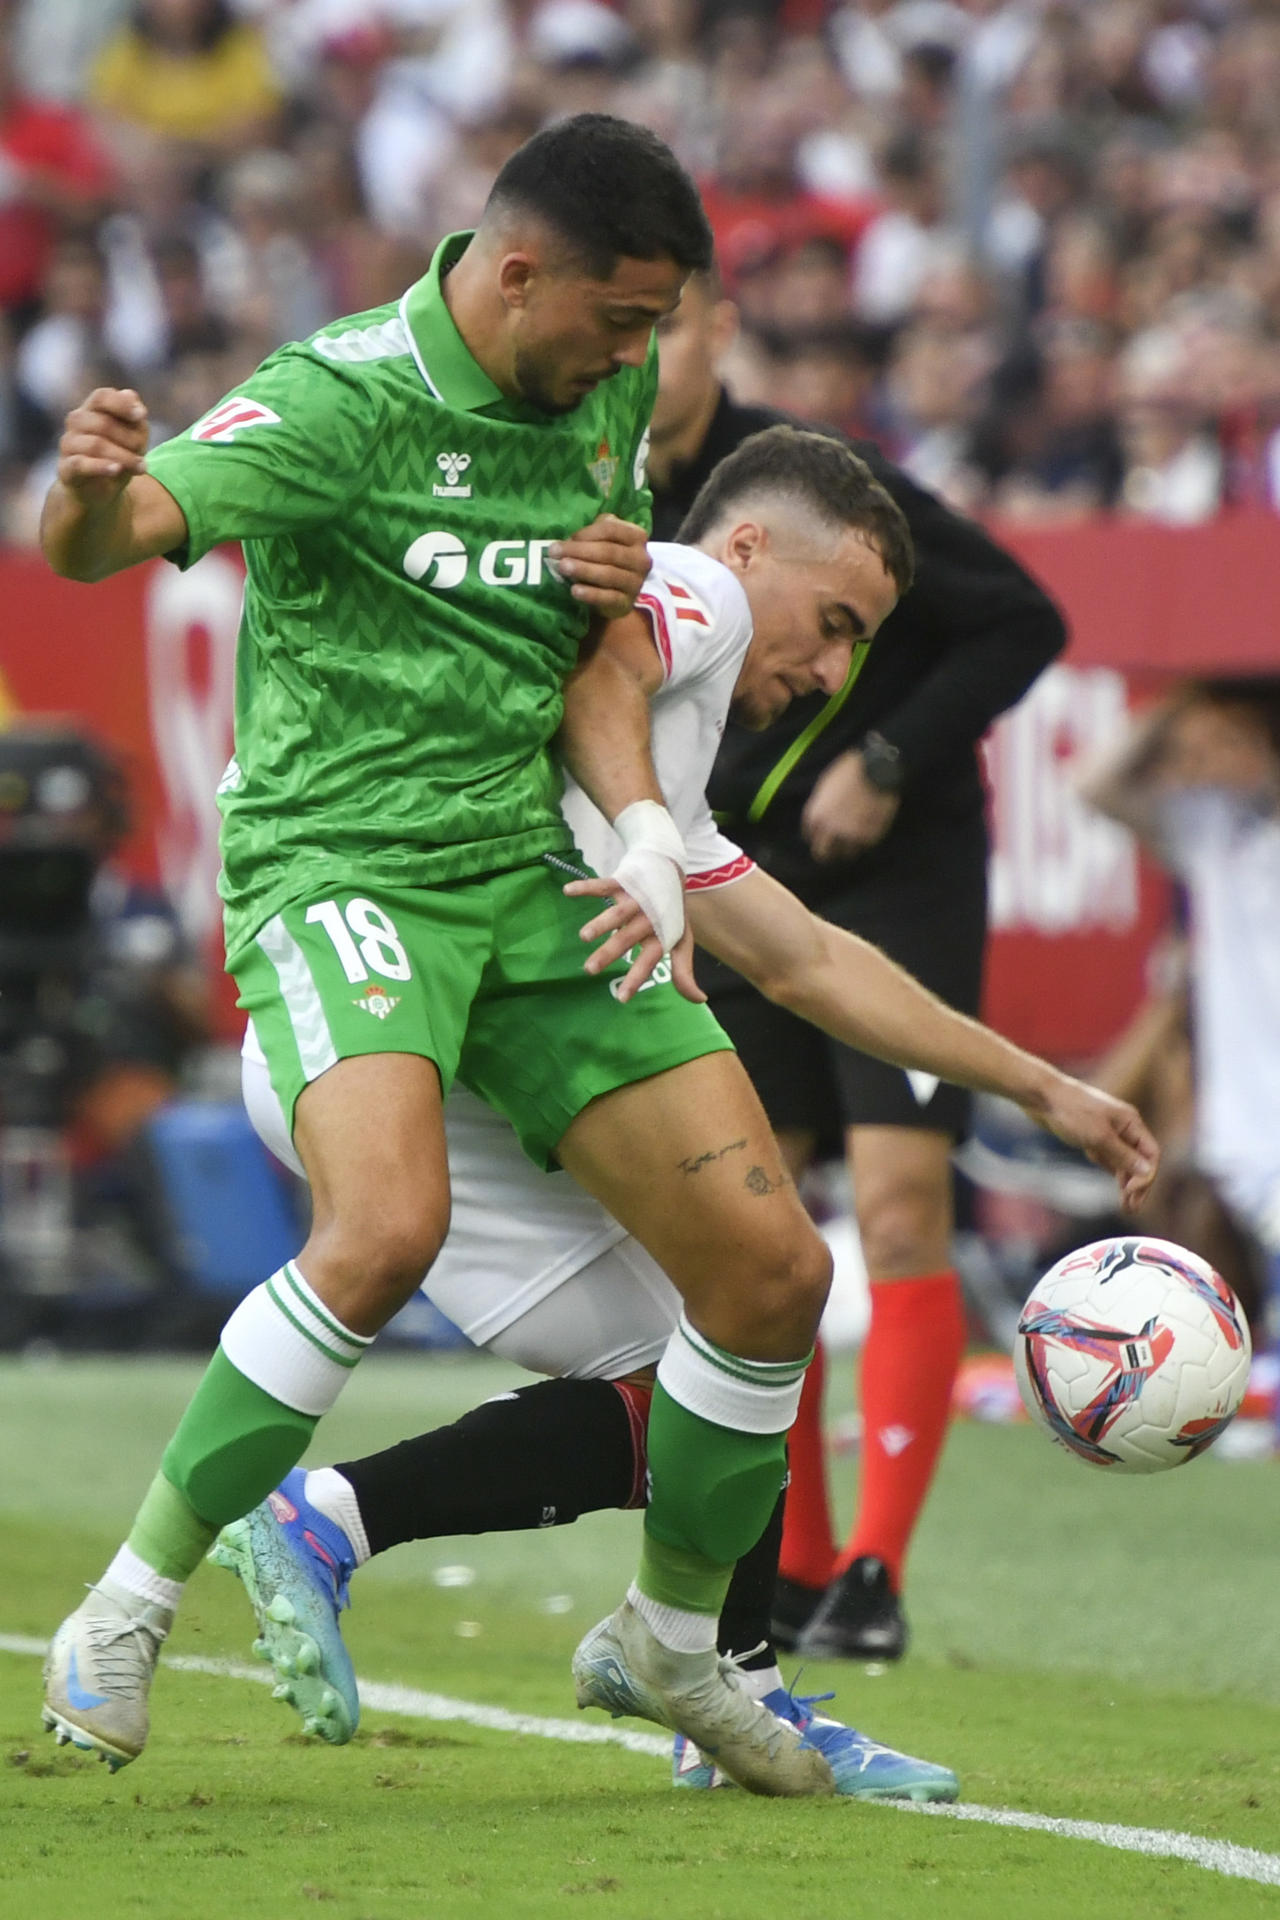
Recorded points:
(222, 423)
(381, 340)
(415, 350)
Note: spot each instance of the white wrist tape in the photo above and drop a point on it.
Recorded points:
(652, 868)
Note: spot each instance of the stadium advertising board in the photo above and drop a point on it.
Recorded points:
(147, 661)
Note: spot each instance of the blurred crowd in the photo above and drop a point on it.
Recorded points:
(1030, 246)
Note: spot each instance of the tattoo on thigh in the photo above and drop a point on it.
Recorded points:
(758, 1182)
(697, 1161)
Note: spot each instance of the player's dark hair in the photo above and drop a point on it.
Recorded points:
(611, 190)
(1259, 693)
(820, 473)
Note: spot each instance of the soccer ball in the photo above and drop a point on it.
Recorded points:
(1133, 1353)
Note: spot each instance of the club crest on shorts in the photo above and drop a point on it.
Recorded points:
(603, 468)
(377, 1001)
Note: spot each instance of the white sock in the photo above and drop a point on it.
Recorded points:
(335, 1497)
(674, 1628)
(762, 1681)
(748, 1396)
(135, 1576)
(284, 1339)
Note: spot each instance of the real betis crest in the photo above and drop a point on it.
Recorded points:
(377, 1001)
(603, 467)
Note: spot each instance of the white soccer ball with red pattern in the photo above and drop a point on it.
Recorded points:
(1133, 1353)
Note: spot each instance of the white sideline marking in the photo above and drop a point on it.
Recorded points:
(412, 1704)
(1215, 1856)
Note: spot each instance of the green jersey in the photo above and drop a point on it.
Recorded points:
(404, 642)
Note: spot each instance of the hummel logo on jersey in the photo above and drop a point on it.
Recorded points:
(895, 1440)
(227, 420)
(377, 1001)
(452, 466)
(603, 468)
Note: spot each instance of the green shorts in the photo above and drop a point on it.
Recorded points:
(484, 977)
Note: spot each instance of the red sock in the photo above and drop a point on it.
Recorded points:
(909, 1364)
(808, 1543)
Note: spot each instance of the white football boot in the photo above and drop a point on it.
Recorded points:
(98, 1673)
(622, 1667)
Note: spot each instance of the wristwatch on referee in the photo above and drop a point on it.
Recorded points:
(882, 764)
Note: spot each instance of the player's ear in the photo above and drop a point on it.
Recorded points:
(724, 327)
(516, 273)
(744, 544)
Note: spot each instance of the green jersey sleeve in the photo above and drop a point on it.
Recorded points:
(630, 497)
(283, 452)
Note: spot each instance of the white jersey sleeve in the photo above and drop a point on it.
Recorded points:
(701, 626)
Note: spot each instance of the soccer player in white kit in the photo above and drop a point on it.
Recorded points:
(534, 1270)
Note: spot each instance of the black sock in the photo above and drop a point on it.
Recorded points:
(748, 1606)
(535, 1458)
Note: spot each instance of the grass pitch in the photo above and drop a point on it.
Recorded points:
(1098, 1650)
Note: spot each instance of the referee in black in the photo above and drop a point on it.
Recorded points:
(870, 806)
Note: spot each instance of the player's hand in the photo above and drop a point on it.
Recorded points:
(103, 444)
(845, 814)
(623, 926)
(1111, 1132)
(606, 565)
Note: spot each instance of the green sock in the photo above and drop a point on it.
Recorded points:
(233, 1444)
(713, 1491)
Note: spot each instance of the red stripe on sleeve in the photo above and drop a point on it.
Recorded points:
(721, 876)
(658, 621)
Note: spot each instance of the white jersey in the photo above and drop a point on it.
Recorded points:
(1228, 853)
(701, 628)
(518, 1235)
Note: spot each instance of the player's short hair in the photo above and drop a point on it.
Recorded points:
(611, 190)
(820, 474)
(1258, 694)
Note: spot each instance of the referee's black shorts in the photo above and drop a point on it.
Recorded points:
(926, 910)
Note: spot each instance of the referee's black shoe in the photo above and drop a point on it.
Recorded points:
(794, 1605)
(859, 1617)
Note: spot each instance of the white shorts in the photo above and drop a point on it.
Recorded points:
(533, 1270)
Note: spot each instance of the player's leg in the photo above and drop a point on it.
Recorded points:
(687, 1161)
(807, 1550)
(535, 1457)
(534, 1271)
(902, 1179)
(928, 911)
(381, 1209)
(640, 1101)
(788, 1063)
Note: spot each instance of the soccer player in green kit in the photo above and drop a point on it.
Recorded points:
(406, 485)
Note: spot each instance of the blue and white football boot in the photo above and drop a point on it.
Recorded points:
(295, 1563)
(862, 1768)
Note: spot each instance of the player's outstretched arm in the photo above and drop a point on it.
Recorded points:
(104, 512)
(604, 742)
(858, 995)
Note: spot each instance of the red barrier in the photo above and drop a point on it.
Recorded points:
(1151, 599)
(147, 661)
